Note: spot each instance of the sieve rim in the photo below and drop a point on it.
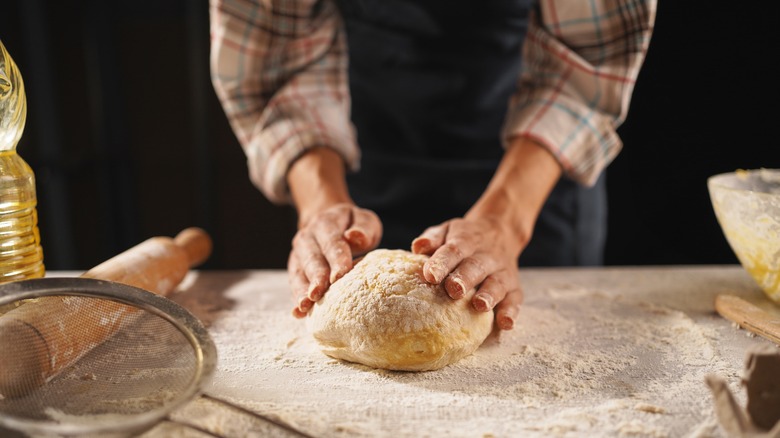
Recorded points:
(184, 321)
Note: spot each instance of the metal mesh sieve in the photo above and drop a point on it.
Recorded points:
(84, 357)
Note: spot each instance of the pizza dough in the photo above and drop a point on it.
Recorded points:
(385, 315)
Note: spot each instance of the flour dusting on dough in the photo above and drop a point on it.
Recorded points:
(385, 315)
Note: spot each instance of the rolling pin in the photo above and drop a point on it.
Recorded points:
(40, 339)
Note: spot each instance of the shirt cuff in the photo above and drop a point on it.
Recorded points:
(582, 140)
(272, 151)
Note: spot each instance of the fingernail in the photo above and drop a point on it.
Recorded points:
(420, 245)
(335, 275)
(435, 271)
(483, 302)
(304, 304)
(314, 293)
(456, 288)
(355, 237)
(505, 322)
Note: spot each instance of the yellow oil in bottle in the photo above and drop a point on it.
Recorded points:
(21, 255)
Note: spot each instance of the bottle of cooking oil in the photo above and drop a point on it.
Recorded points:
(21, 255)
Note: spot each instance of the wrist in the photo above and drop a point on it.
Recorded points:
(518, 190)
(317, 181)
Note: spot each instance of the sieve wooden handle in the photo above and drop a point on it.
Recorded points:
(34, 347)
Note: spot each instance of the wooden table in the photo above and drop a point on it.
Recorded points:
(596, 352)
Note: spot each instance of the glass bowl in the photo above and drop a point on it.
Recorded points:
(747, 205)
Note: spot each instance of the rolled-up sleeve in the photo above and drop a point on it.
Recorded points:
(580, 63)
(279, 70)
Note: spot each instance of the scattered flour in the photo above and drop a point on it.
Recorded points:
(584, 360)
(581, 362)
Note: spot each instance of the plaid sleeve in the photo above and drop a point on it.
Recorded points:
(279, 70)
(580, 63)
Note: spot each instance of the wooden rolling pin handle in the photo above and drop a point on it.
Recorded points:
(196, 243)
(158, 264)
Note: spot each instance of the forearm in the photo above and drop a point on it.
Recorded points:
(279, 70)
(526, 175)
(579, 69)
(317, 181)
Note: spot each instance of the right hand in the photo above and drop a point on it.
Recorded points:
(324, 247)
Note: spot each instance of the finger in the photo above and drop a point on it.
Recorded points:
(313, 263)
(430, 240)
(304, 305)
(508, 309)
(365, 232)
(446, 258)
(298, 314)
(328, 234)
(469, 273)
(494, 289)
(299, 284)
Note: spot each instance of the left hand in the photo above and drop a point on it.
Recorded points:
(475, 252)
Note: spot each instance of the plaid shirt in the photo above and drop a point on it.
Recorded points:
(280, 70)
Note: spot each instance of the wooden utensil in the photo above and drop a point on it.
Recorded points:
(157, 265)
(749, 317)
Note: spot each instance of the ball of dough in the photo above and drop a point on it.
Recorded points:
(385, 315)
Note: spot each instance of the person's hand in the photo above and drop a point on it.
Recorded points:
(323, 250)
(476, 253)
(331, 228)
(482, 249)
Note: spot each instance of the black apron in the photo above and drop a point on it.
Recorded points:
(430, 82)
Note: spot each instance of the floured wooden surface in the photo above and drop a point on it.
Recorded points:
(596, 352)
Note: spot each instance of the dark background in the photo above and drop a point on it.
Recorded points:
(128, 140)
